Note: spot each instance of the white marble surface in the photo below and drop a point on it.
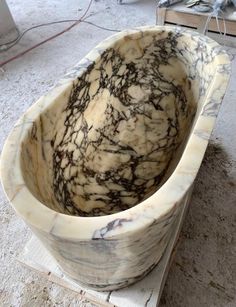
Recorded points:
(124, 133)
(215, 289)
(146, 292)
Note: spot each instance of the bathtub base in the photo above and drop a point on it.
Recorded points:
(117, 286)
(37, 257)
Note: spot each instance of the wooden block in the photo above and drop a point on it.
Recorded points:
(180, 15)
(161, 15)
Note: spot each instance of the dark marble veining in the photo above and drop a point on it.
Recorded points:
(124, 120)
(126, 129)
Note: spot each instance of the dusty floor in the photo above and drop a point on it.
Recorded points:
(204, 269)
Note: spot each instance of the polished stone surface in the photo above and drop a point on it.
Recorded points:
(208, 238)
(107, 146)
(155, 93)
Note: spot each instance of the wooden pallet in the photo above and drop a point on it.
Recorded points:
(179, 14)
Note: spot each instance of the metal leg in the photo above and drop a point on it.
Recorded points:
(8, 30)
(161, 13)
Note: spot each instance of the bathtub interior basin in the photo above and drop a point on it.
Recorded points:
(106, 143)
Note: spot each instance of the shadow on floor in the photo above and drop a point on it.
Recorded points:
(204, 268)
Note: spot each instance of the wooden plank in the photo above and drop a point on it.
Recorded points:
(182, 18)
(180, 7)
(161, 16)
(181, 15)
(193, 20)
(202, 24)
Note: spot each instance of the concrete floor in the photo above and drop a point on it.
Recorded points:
(203, 272)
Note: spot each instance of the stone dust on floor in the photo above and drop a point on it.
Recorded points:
(203, 272)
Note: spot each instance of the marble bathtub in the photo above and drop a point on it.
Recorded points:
(100, 166)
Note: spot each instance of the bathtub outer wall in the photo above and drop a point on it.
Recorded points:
(112, 251)
(110, 263)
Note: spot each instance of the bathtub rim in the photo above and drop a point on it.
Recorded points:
(163, 201)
